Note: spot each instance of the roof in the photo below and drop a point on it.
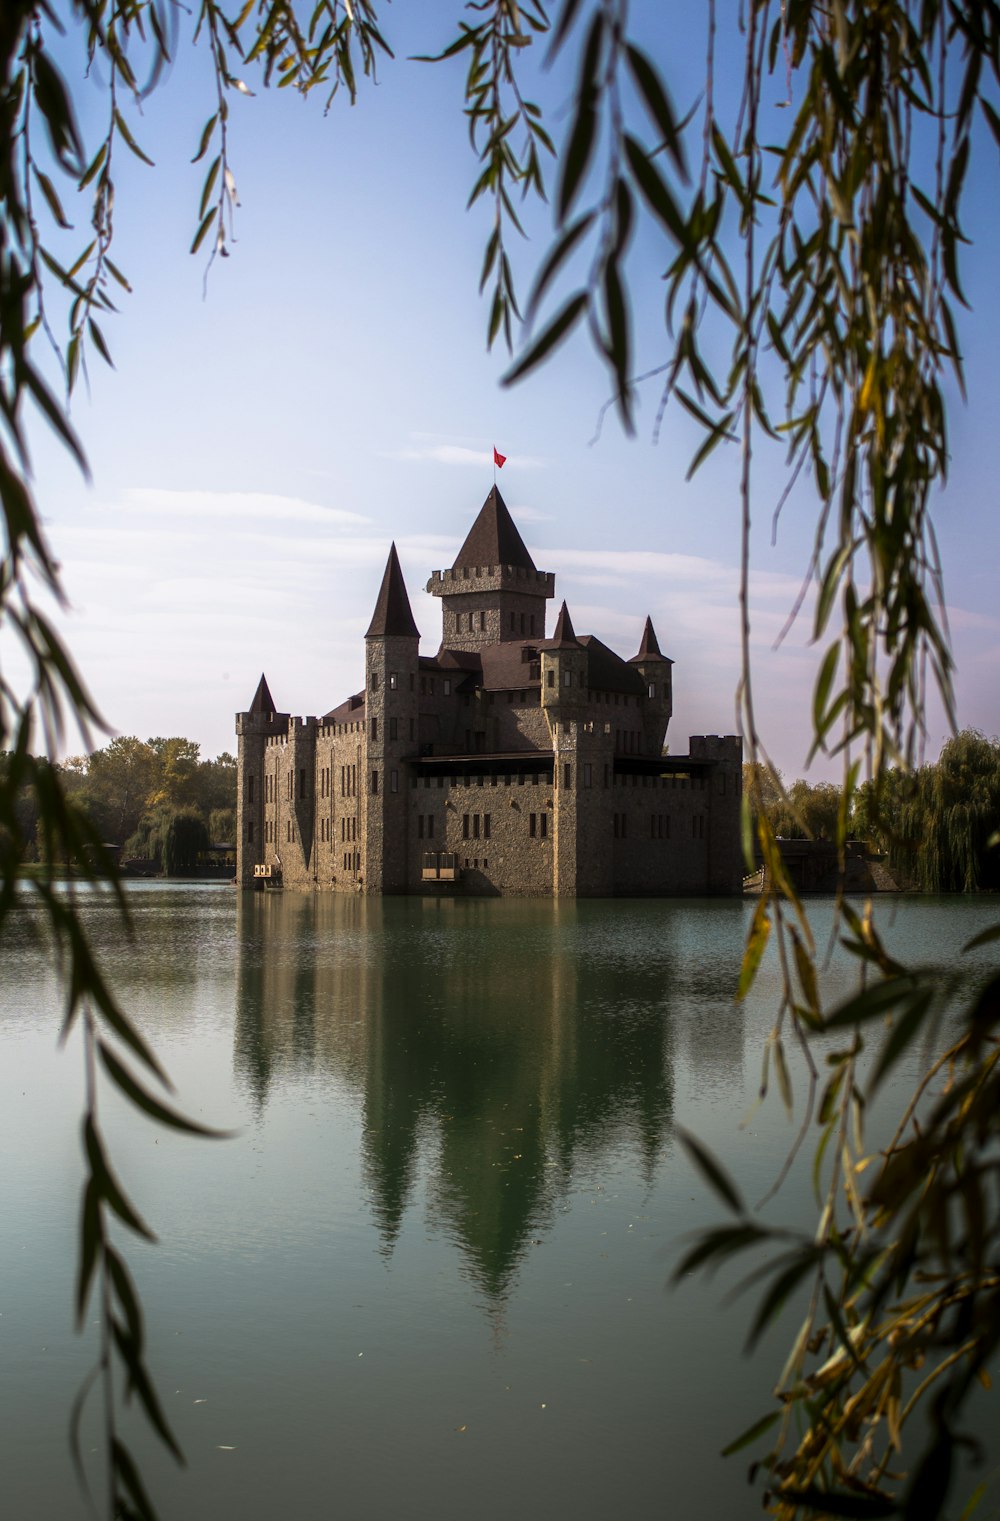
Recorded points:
(493, 538)
(507, 666)
(563, 635)
(393, 614)
(347, 712)
(263, 702)
(608, 672)
(649, 649)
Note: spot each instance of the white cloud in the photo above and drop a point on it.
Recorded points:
(238, 504)
(460, 454)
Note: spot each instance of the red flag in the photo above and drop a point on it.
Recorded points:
(499, 459)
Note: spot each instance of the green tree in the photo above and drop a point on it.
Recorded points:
(837, 251)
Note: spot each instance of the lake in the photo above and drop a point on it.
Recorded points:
(427, 1277)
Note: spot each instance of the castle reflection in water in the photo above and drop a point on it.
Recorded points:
(494, 1047)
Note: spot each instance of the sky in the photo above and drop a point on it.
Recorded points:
(275, 421)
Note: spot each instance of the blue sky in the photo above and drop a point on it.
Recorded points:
(267, 433)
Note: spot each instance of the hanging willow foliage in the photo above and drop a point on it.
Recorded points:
(829, 259)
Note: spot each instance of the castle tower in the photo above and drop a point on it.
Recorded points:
(493, 592)
(656, 671)
(252, 729)
(391, 657)
(581, 863)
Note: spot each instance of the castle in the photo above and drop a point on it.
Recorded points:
(507, 763)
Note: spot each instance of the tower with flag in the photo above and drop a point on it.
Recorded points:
(511, 761)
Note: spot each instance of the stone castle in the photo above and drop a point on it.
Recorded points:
(508, 763)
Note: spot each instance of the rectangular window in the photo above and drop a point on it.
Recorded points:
(447, 686)
(567, 678)
(374, 782)
(482, 622)
(393, 681)
(567, 775)
(373, 682)
(393, 728)
(374, 728)
(250, 789)
(587, 775)
(475, 826)
(651, 689)
(543, 819)
(465, 826)
(250, 832)
(532, 822)
(486, 826)
(393, 781)
(550, 677)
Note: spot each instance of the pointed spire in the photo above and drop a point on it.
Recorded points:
(393, 614)
(493, 538)
(563, 633)
(649, 648)
(263, 702)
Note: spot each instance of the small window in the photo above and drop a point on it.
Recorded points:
(567, 775)
(250, 789)
(394, 728)
(475, 826)
(543, 819)
(393, 781)
(374, 782)
(482, 622)
(374, 728)
(447, 686)
(567, 678)
(465, 826)
(532, 823)
(486, 825)
(393, 681)
(550, 678)
(373, 683)
(587, 775)
(250, 832)
(651, 689)
(512, 622)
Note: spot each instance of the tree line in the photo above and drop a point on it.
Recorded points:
(154, 800)
(937, 825)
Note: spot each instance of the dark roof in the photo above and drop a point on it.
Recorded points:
(563, 635)
(392, 614)
(608, 672)
(348, 711)
(493, 538)
(263, 702)
(507, 666)
(649, 649)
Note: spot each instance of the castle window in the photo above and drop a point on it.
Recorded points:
(550, 678)
(373, 682)
(393, 781)
(567, 775)
(543, 820)
(486, 825)
(475, 826)
(651, 689)
(482, 622)
(374, 782)
(250, 788)
(374, 728)
(567, 678)
(587, 775)
(447, 686)
(250, 832)
(393, 681)
(465, 826)
(393, 728)
(532, 822)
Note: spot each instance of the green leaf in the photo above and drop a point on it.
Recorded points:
(760, 931)
(657, 103)
(206, 137)
(123, 128)
(751, 1434)
(199, 236)
(654, 191)
(558, 329)
(983, 938)
(54, 204)
(712, 1172)
(161, 1113)
(556, 258)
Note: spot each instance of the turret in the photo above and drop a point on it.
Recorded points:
(392, 646)
(253, 727)
(656, 672)
(493, 592)
(563, 670)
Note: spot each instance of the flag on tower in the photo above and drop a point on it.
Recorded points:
(499, 459)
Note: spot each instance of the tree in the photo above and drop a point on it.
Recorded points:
(837, 280)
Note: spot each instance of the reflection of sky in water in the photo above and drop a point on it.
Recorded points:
(452, 1203)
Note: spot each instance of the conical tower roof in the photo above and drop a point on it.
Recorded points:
(493, 538)
(263, 702)
(563, 633)
(393, 614)
(649, 648)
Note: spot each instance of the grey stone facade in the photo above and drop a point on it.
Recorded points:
(508, 763)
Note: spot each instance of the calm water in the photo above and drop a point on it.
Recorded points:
(427, 1276)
